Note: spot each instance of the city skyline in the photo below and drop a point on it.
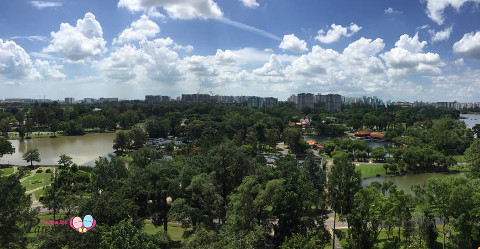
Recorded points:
(420, 50)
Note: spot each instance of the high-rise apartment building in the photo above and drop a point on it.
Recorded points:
(156, 99)
(69, 101)
(305, 99)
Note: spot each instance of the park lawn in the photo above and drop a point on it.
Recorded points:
(6, 171)
(36, 181)
(175, 230)
(370, 170)
(32, 135)
(38, 193)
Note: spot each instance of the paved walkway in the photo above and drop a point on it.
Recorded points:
(33, 172)
(337, 242)
(282, 148)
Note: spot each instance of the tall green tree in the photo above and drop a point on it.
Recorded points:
(365, 218)
(32, 155)
(15, 214)
(473, 156)
(343, 182)
(5, 147)
(65, 161)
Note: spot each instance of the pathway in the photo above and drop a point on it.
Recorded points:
(338, 225)
(32, 173)
(282, 148)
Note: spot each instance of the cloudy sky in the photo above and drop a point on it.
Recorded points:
(395, 49)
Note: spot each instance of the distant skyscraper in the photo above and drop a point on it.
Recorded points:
(88, 100)
(305, 99)
(196, 98)
(333, 102)
(258, 102)
(69, 101)
(156, 99)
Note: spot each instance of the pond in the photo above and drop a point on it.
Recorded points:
(470, 119)
(406, 182)
(82, 149)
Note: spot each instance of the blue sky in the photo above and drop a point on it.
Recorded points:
(400, 50)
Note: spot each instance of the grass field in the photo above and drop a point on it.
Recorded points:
(371, 170)
(36, 181)
(38, 193)
(174, 230)
(6, 171)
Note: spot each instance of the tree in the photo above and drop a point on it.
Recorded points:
(32, 155)
(476, 130)
(54, 125)
(296, 206)
(65, 160)
(21, 132)
(378, 154)
(397, 211)
(15, 213)
(138, 137)
(126, 235)
(201, 205)
(473, 157)
(157, 128)
(129, 118)
(344, 181)
(122, 141)
(365, 218)
(4, 128)
(5, 147)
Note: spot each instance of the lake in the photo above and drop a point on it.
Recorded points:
(82, 149)
(406, 182)
(470, 119)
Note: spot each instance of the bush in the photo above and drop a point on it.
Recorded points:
(48, 171)
(39, 171)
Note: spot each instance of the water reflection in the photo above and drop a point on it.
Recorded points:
(81, 148)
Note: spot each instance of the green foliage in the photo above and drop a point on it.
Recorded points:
(129, 140)
(5, 147)
(65, 161)
(365, 218)
(157, 128)
(126, 235)
(72, 128)
(15, 213)
(128, 119)
(32, 155)
(473, 157)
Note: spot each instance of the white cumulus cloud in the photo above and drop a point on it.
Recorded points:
(272, 68)
(250, 3)
(293, 43)
(468, 46)
(179, 9)
(336, 32)
(16, 64)
(407, 57)
(153, 60)
(441, 35)
(80, 42)
(139, 30)
(435, 8)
